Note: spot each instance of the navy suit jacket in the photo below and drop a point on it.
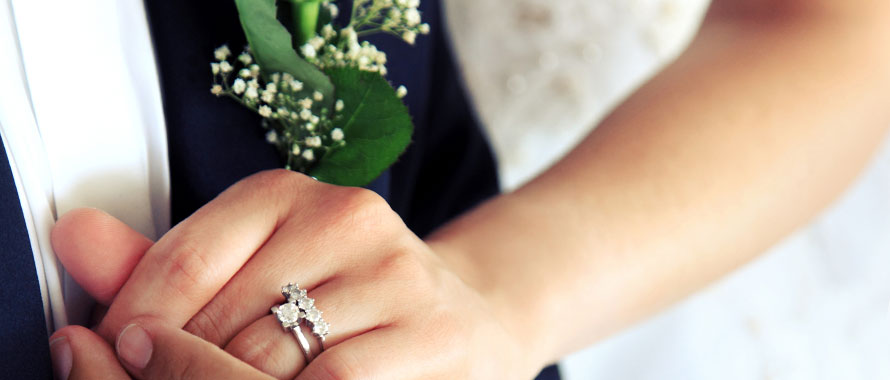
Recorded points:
(213, 142)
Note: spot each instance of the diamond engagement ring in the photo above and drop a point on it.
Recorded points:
(300, 308)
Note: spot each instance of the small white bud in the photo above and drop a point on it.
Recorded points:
(424, 28)
(305, 114)
(313, 141)
(244, 73)
(306, 103)
(255, 69)
(239, 86)
(333, 10)
(283, 112)
(268, 96)
(295, 150)
(337, 134)
(222, 52)
(265, 111)
(225, 67)
(214, 67)
(318, 96)
(308, 51)
(251, 93)
(272, 137)
(308, 155)
(409, 36)
(245, 58)
(296, 85)
(216, 90)
(401, 92)
(253, 83)
(276, 77)
(412, 17)
(338, 106)
(317, 42)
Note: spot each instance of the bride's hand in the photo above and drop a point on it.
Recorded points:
(395, 310)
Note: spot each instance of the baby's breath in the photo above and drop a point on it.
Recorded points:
(296, 124)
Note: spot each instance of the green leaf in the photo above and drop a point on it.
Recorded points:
(271, 45)
(377, 126)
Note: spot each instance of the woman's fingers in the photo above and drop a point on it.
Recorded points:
(80, 354)
(98, 251)
(351, 309)
(191, 263)
(150, 349)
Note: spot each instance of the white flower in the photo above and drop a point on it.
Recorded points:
(401, 92)
(255, 69)
(214, 67)
(317, 42)
(332, 8)
(225, 67)
(251, 93)
(328, 32)
(245, 58)
(305, 103)
(253, 83)
(308, 155)
(309, 127)
(409, 36)
(296, 85)
(337, 134)
(216, 90)
(272, 137)
(412, 17)
(239, 86)
(222, 52)
(265, 111)
(295, 150)
(424, 28)
(338, 106)
(276, 77)
(305, 114)
(268, 96)
(318, 96)
(283, 112)
(271, 87)
(313, 141)
(244, 73)
(308, 51)
(314, 120)
(413, 3)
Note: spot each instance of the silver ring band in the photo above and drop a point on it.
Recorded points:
(300, 308)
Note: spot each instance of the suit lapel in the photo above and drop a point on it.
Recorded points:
(23, 336)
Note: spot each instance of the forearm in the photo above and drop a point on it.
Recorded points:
(757, 127)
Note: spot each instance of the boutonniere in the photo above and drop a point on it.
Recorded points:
(320, 90)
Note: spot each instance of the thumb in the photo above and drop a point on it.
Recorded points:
(79, 353)
(98, 251)
(150, 349)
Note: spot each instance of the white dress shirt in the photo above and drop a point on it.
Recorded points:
(83, 125)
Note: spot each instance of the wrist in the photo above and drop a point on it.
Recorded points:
(516, 319)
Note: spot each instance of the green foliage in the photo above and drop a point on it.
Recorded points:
(271, 46)
(377, 126)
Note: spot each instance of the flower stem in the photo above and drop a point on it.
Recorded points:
(305, 18)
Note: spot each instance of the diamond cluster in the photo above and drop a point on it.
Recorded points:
(300, 307)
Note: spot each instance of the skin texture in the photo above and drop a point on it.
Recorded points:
(767, 117)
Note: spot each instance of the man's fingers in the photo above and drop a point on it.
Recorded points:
(191, 263)
(79, 353)
(98, 251)
(149, 349)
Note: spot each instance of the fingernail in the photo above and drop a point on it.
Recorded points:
(62, 359)
(134, 346)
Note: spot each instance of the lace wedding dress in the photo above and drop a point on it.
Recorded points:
(543, 72)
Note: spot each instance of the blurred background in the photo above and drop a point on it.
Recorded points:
(542, 73)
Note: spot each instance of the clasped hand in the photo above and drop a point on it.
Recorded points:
(195, 305)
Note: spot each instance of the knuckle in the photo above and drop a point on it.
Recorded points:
(356, 207)
(187, 269)
(205, 325)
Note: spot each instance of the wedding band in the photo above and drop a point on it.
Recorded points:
(297, 309)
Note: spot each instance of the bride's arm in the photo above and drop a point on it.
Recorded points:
(765, 119)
